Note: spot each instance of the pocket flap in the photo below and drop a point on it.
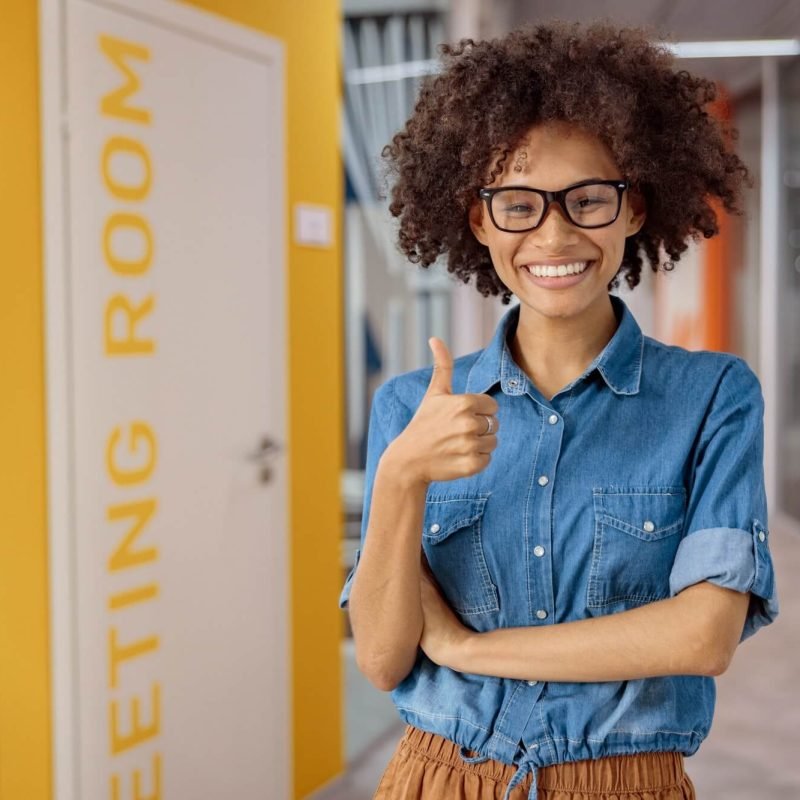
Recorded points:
(444, 515)
(647, 514)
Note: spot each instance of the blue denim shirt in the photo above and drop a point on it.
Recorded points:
(641, 477)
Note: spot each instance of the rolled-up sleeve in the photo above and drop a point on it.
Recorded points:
(727, 535)
(378, 439)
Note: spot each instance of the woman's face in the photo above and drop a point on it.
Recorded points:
(554, 156)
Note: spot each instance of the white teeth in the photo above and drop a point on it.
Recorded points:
(553, 271)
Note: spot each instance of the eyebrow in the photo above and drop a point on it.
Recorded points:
(580, 180)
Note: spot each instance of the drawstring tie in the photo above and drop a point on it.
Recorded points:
(519, 775)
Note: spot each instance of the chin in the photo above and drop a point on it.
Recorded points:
(557, 307)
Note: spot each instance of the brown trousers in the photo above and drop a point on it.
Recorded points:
(426, 766)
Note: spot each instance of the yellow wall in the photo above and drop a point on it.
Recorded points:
(24, 674)
(310, 30)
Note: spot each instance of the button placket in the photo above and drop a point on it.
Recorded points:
(539, 529)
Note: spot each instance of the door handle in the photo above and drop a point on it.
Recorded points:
(263, 455)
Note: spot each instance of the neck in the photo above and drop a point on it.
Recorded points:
(555, 351)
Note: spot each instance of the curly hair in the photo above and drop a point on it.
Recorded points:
(615, 83)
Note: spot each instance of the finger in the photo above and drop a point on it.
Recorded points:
(429, 588)
(484, 404)
(481, 424)
(427, 576)
(442, 377)
(427, 592)
(487, 444)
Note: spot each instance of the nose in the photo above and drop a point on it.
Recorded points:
(555, 226)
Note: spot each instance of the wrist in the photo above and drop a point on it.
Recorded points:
(397, 470)
(460, 649)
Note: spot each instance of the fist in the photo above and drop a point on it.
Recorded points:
(448, 437)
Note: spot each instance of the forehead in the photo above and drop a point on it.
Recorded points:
(554, 154)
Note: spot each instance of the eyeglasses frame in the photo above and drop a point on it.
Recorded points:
(558, 197)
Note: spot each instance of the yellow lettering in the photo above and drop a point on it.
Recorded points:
(137, 784)
(126, 191)
(129, 345)
(124, 556)
(119, 653)
(132, 596)
(138, 733)
(134, 222)
(138, 430)
(114, 104)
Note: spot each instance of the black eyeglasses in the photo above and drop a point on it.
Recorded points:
(588, 204)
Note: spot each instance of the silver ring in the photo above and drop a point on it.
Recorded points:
(489, 425)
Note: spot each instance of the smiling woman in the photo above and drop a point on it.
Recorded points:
(583, 225)
(613, 83)
(564, 535)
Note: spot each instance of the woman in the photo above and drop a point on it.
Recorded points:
(565, 533)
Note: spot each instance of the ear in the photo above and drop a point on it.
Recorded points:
(636, 212)
(476, 217)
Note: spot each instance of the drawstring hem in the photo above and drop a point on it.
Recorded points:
(471, 759)
(519, 776)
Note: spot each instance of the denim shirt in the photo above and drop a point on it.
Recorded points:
(641, 477)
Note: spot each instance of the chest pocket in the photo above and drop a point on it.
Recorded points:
(452, 541)
(636, 536)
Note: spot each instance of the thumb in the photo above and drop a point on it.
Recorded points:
(442, 377)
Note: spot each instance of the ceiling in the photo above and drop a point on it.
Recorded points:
(676, 21)
(673, 20)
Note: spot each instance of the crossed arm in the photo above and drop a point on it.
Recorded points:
(693, 633)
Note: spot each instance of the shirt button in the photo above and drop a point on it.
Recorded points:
(649, 526)
(512, 382)
(532, 683)
(435, 527)
(543, 480)
(538, 550)
(541, 613)
(552, 419)
(761, 536)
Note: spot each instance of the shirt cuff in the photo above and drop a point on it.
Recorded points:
(344, 597)
(732, 558)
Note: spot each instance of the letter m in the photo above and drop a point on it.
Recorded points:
(115, 104)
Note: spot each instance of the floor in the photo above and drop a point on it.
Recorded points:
(751, 753)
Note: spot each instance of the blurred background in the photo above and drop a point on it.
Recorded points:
(203, 292)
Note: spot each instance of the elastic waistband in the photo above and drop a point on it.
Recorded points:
(644, 771)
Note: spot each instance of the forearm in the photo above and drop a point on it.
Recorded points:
(667, 637)
(385, 607)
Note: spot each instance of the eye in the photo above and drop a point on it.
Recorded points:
(591, 196)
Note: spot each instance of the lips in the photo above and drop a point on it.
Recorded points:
(558, 282)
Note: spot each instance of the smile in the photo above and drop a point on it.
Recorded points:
(557, 271)
(557, 276)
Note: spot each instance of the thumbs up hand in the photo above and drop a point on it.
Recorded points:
(446, 438)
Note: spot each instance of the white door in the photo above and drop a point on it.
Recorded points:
(167, 347)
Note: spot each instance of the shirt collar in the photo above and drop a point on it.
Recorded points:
(619, 362)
